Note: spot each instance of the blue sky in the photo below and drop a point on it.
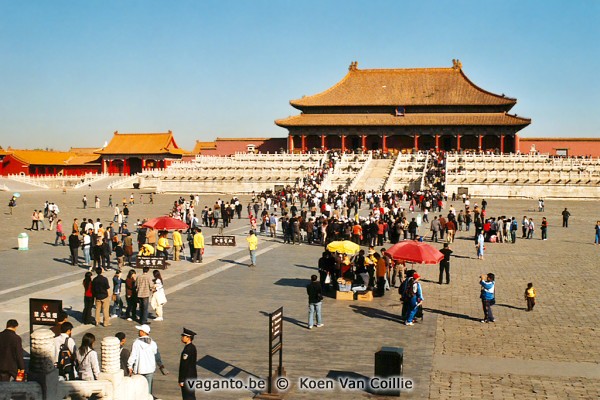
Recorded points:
(73, 72)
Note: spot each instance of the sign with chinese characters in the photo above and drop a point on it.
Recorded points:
(218, 240)
(44, 311)
(151, 262)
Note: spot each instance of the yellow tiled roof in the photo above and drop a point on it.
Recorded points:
(404, 87)
(142, 143)
(203, 146)
(406, 120)
(44, 157)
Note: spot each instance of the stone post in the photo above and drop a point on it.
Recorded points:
(110, 366)
(41, 366)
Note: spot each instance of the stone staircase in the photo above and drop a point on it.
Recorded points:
(375, 176)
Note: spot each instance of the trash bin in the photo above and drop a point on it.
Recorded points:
(388, 364)
(23, 240)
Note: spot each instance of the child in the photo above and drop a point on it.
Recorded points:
(530, 296)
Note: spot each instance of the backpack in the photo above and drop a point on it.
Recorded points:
(409, 289)
(66, 363)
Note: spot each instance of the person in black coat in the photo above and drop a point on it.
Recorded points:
(11, 352)
(187, 365)
(74, 243)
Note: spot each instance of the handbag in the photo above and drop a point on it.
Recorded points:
(328, 279)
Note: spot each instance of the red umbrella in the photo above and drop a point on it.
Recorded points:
(415, 252)
(165, 224)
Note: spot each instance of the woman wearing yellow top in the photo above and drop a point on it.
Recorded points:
(177, 244)
(163, 245)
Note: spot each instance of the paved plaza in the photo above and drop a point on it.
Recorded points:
(550, 353)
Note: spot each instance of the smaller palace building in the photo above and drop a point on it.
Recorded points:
(404, 109)
(130, 153)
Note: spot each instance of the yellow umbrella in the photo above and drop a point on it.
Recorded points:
(343, 246)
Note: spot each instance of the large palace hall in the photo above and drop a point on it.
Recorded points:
(404, 110)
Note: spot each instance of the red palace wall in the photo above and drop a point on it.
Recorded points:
(574, 146)
(11, 165)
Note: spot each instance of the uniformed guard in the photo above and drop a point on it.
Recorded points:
(187, 364)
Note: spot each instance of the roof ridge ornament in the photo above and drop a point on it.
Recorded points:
(353, 66)
(456, 64)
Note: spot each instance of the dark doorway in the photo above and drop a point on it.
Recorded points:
(135, 165)
(447, 143)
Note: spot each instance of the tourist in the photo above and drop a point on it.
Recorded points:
(88, 299)
(198, 246)
(544, 228)
(131, 295)
(117, 212)
(450, 229)
(117, 306)
(177, 245)
(380, 273)
(435, 227)
(100, 289)
(158, 295)
(414, 292)
(315, 302)
(530, 296)
(97, 202)
(105, 250)
(125, 213)
(144, 290)
(128, 248)
(87, 359)
(12, 203)
(565, 215)
(445, 264)
(120, 255)
(488, 297)
(514, 226)
(41, 220)
(530, 229)
(84, 201)
(64, 352)
(110, 202)
(480, 246)
(252, 247)
(12, 364)
(187, 364)
(74, 243)
(34, 221)
(123, 352)
(597, 238)
(525, 226)
(163, 246)
(144, 351)
(151, 237)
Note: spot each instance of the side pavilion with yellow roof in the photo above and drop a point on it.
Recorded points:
(130, 153)
(404, 109)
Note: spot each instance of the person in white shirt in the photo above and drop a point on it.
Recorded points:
(87, 359)
(65, 337)
(142, 360)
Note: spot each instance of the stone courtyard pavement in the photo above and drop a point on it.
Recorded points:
(550, 353)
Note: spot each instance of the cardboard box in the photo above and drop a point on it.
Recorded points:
(344, 295)
(365, 297)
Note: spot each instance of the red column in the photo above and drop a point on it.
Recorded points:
(290, 143)
(517, 144)
(303, 137)
(457, 142)
(480, 141)
(323, 145)
(125, 167)
(110, 167)
(437, 142)
(501, 144)
(384, 145)
(343, 143)
(364, 142)
(416, 146)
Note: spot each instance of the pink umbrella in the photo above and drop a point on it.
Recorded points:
(415, 252)
(165, 224)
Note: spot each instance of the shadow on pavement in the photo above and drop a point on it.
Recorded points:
(509, 306)
(233, 262)
(294, 282)
(376, 313)
(450, 314)
(305, 266)
(288, 319)
(222, 368)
